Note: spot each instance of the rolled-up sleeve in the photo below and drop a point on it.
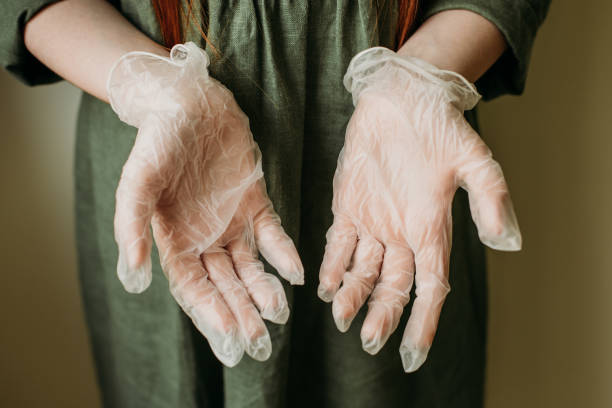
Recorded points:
(518, 21)
(14, 56)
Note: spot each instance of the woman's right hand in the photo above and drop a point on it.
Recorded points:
(195, 174)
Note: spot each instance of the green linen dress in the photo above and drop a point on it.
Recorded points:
(284, 60)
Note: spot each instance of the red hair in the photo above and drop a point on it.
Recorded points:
(168, 13)
(407, 15)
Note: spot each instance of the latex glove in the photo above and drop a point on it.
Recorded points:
(407, 150)
(195, 174)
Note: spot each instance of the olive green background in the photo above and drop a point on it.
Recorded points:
(550, 329)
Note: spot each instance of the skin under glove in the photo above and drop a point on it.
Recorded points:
(195, 175)
(407, 150)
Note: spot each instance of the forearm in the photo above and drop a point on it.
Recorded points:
(80, 40)
(459, 41)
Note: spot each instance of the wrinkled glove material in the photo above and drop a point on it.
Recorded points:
(194, 174)
(407, 149)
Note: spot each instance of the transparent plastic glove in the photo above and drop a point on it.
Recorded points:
(407, 150)
(194, 174)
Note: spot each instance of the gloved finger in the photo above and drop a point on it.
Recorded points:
(490, 201)
(276, 246)
(204, 304)
(264, 288)
(357, 284)
(254, 332)
(341, 242)
(431, 289)
(391, 294)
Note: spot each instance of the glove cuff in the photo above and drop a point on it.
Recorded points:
(368, 67)
(141, 83)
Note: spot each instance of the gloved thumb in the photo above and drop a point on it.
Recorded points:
(143, 178)
(490, 203)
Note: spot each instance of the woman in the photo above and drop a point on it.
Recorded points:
(284, 63)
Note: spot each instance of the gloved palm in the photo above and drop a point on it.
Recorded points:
(407, 150)
(195, 175)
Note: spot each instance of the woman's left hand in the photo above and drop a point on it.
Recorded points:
(407, 150)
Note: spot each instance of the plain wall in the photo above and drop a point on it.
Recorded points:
(550, 327)
(550, 333)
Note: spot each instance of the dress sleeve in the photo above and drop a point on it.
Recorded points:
(518, 21)
(14, 56)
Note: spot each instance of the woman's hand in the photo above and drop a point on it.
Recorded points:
(194, 173)
(407, 150)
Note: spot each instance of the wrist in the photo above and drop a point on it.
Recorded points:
(427, 46)
(404, 77)
(141, 82)
(424, 48)
(457, 40)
